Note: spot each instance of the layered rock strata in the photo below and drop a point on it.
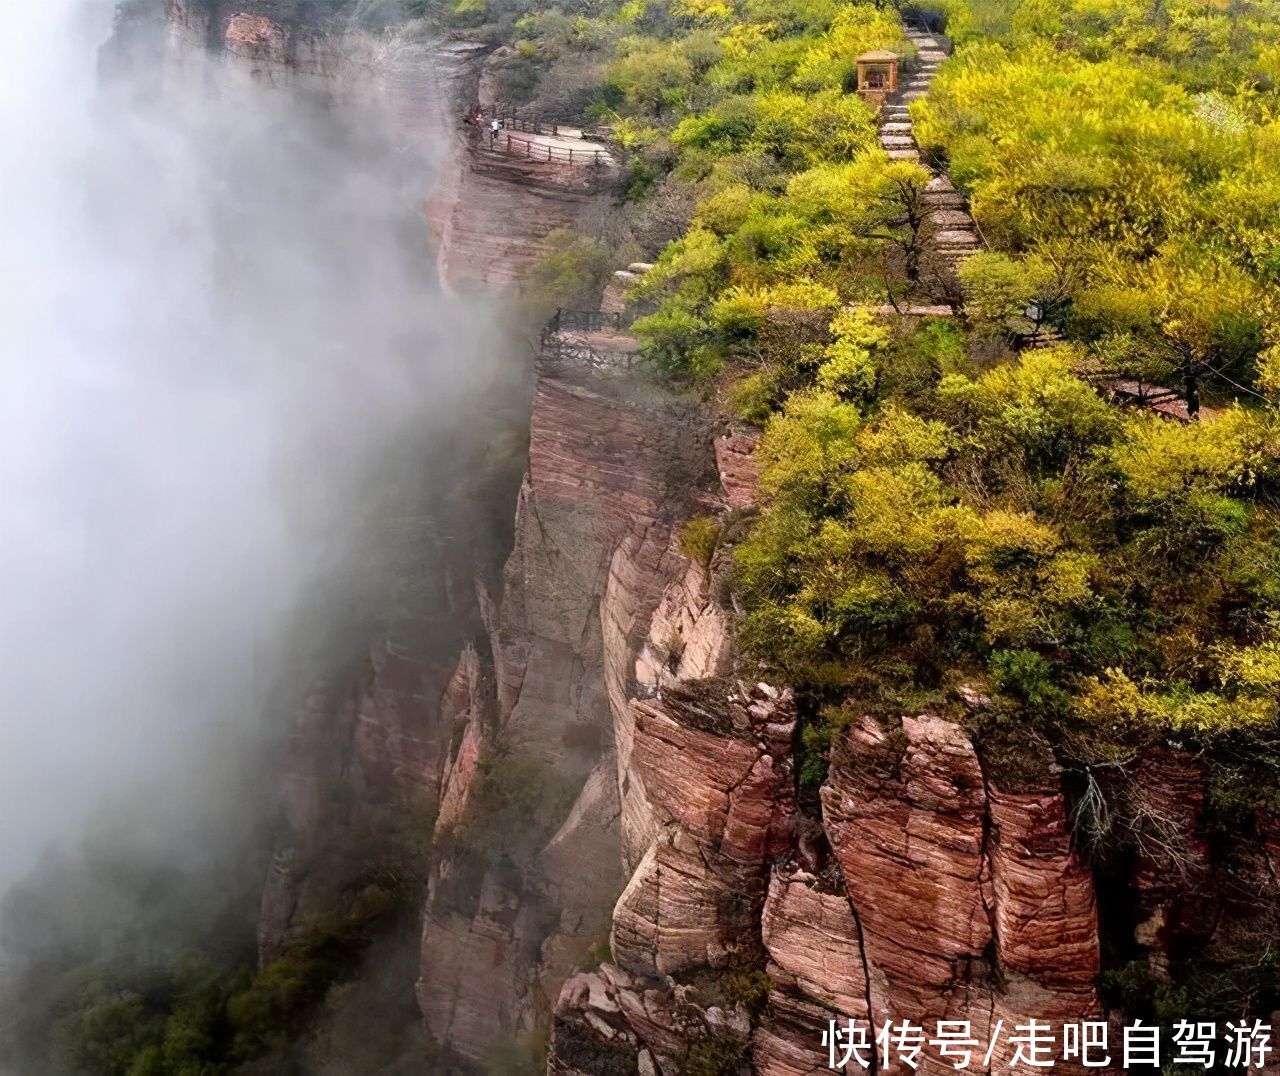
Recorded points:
(925, 892)
(610, 461)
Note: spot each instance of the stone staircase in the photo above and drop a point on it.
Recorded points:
(953, 235)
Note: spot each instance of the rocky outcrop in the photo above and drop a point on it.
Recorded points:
(739, 472)
(714, 765)
(971, 901)
(817, 970)
(274, 41)
(495, 216)
(927, 892)
(905, 815)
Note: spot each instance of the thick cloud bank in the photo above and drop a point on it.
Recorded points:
(217, 337)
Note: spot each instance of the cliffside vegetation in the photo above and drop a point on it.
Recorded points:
(943, 506)
(140, 968)
(953, 519)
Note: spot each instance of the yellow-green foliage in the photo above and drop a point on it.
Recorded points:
(1115, 700)
(935, 505)
(698, 538)
(1144, 188)
(1016, 511)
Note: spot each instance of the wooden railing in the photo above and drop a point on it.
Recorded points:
(515, 146)
(518, 121)
(584, 354)
(530, 124)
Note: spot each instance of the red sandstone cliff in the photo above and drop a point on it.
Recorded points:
(924, 892)
(610, 459)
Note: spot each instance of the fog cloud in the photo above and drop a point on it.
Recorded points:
(219, 343)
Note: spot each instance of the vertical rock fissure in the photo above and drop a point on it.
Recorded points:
(985, 866)
(866, 974)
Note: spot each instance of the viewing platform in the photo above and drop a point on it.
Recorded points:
(544, 153)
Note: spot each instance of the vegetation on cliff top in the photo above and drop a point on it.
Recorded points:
(940, 506)
(943, 507)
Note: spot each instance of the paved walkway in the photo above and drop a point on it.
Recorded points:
(567, 145)
(953, 235)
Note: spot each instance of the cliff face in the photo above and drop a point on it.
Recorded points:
(924, 892)
(379, 746)
(492, 215)
(490, 212)
(609, 461)
(273, 40)
(934, 884)
(499, 199)
(607, 776)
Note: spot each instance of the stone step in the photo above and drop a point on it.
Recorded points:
(955, 238)
(896, 127)
(897, 141)
(940, 183)
(917, 311)
(950, 219)
(941, 200)
(913, 95)
(903, 155)
(896, 112)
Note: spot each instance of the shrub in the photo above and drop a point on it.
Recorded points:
(816, 740)
(722, 1055)
(572, 273)
(753, 397)
(698, 538)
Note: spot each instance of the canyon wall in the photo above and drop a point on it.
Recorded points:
(611, 461)
(606, 784)
(371, 753)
